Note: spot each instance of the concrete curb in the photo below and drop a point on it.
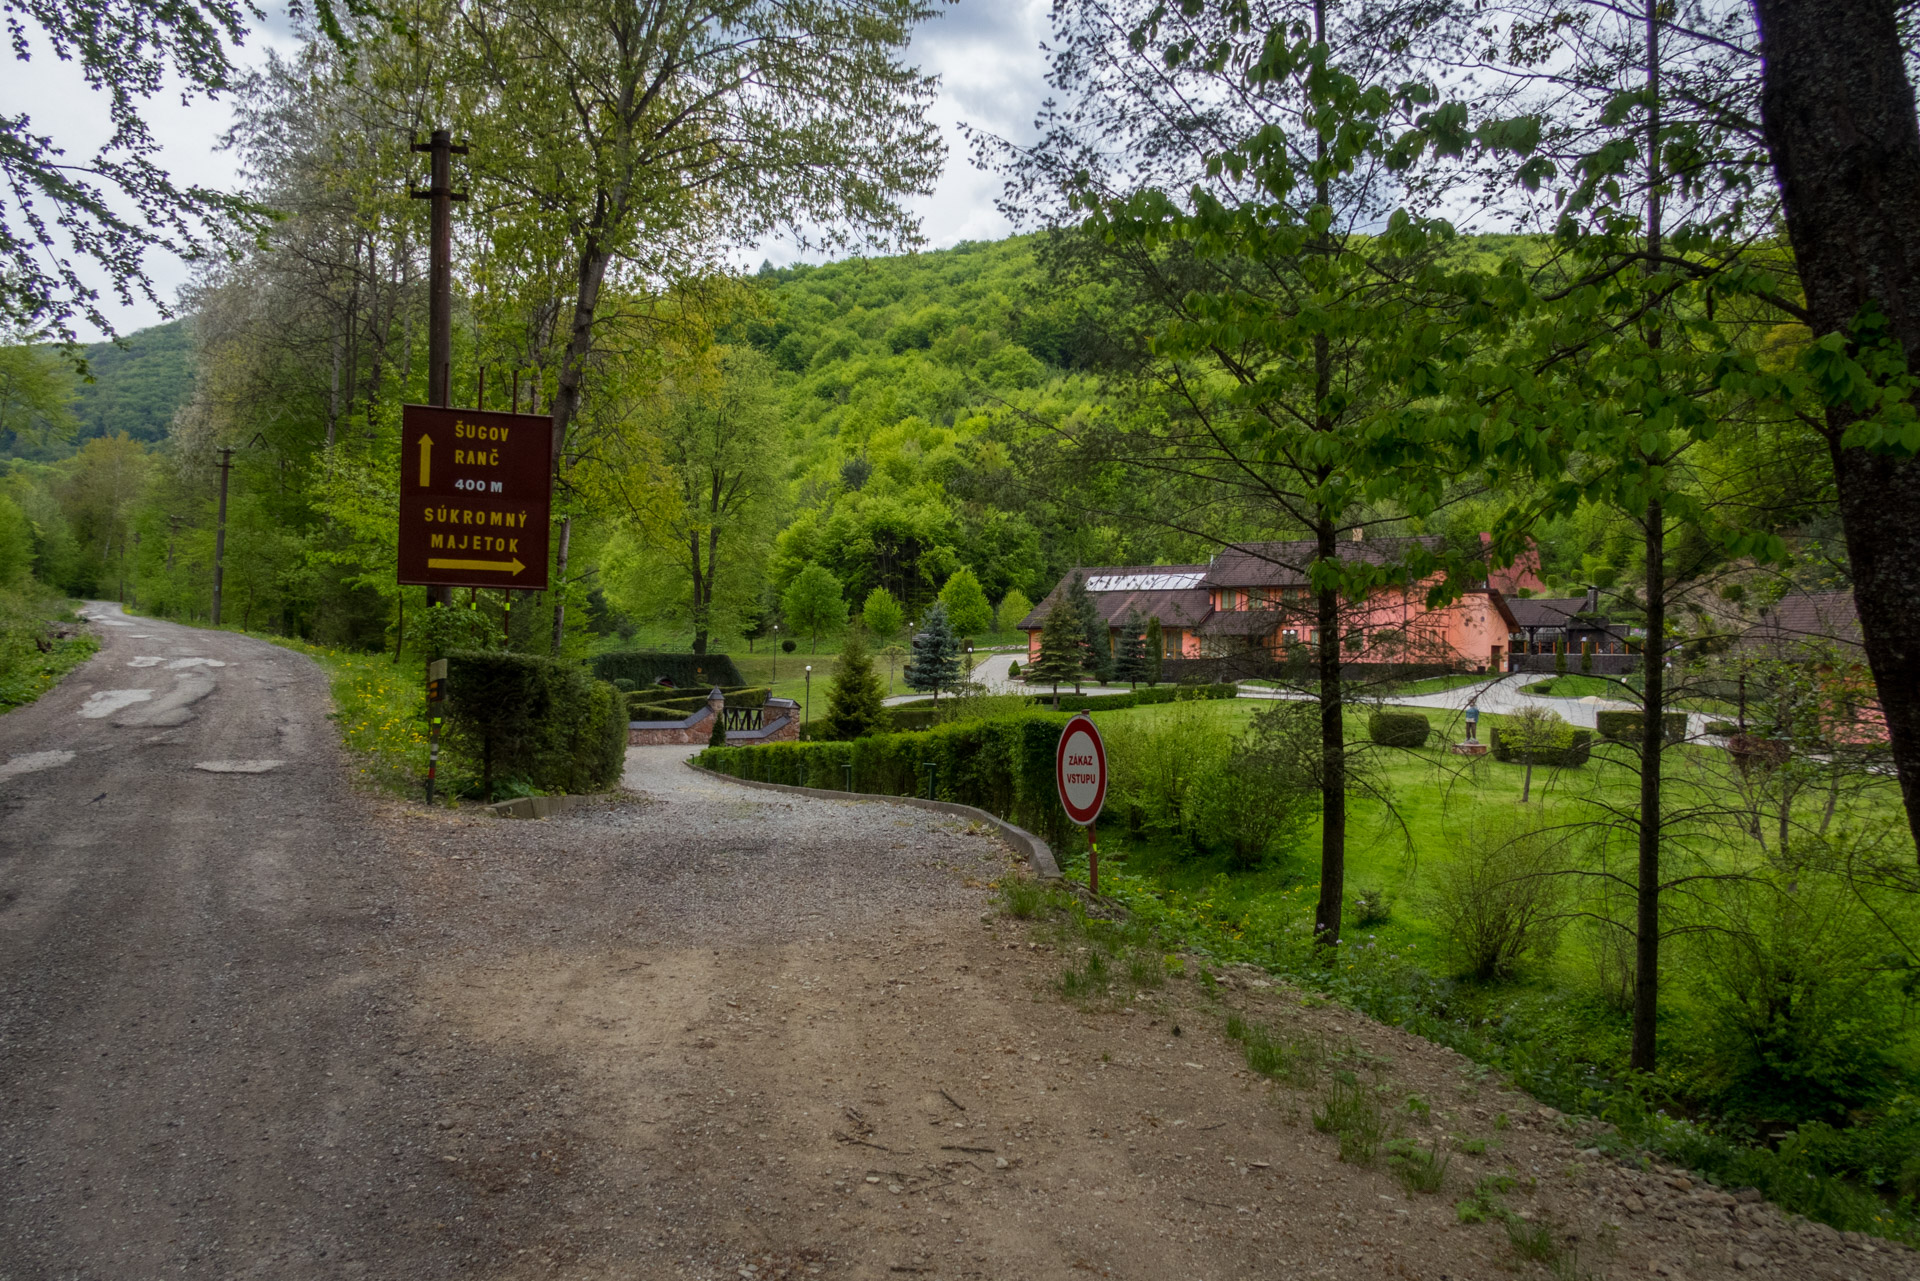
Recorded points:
(1039, 855)
(539, 806)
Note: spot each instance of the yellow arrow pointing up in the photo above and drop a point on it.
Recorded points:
(495, 566)
(426, 460)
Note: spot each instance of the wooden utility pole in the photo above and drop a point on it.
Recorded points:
(220, 533)
(441, 194)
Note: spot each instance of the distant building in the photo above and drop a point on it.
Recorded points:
(1254, 601)
(1541, 622)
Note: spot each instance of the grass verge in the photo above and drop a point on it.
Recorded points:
(41, 640)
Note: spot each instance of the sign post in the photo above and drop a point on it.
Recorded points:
(436, 692)
(1080, 772)
(476, 493)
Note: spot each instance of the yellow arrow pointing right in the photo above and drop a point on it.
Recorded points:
(492, 566)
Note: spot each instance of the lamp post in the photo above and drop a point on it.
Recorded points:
(776, 654)
(806, 708)
(969, 662)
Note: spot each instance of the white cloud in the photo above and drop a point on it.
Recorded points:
(992, 77)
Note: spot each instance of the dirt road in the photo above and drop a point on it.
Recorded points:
(261, 1024)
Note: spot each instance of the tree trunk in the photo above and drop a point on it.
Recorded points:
(1333, 731)
(560, 582)
(1838, 115)
(702, 593)
(1333, 763)
(1646, 954)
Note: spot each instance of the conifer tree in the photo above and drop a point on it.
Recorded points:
(935, 661)
(1156, 648)
(854, 702)
(1098, 656)
(1130, 663)
(1062, 650)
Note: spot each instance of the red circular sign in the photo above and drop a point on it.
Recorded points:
(1080, 770)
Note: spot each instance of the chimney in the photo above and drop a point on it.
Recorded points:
(1592, 605)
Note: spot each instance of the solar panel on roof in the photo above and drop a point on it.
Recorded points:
(1144, 582)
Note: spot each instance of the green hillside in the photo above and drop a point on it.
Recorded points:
(137, 385)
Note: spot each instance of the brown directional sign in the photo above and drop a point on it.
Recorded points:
(475, 492)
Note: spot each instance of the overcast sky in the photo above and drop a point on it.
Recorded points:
(986, 53)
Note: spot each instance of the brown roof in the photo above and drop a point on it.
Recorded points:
(1177, 607)
(1545, 611)
(1800, 617)
(1284, 564)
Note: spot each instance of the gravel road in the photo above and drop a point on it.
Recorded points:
(255, 1022)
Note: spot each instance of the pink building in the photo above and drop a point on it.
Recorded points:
(1254, 600)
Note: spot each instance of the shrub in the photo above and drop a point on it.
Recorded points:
(543, 722)
(1798, 1011)
(717, 735)
(1624, 726)
(1399, 729)
(1013, 671)
(691, 672)
(1370, 907)
(854, 705)
(1245, 811)
(1723, 729)
(1003, 766)
(1575, 750)
(1498, 903)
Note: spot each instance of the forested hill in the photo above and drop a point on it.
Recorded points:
(47, 410)
(136, 386)
(894, 372)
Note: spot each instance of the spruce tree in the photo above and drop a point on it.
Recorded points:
(854, 702)
(935, 661)
(1560, 657)
(1098, 658)
(1130, 664)
(1156, 647)
(1062, 650)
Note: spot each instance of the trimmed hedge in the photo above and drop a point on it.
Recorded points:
(1147, 697)
(1002, 766)
(1624, 727)
(545, 723)
(657, 705)
(1578, 751)
(1399, 729)
(910, 717)
(644, 667)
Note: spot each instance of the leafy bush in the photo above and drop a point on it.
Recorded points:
(1723, 729)
(1153, 763)
(1798, 1012)
(1569, 750)
(1624, 726)
(442, 630)
(1003, 766)
(1399, 729)
(686, 671)
(546, 724)
(1498, 902)
(909, 718)
(1246, 810)
(1369, 907)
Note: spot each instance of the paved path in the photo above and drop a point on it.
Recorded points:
(1503, 695)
